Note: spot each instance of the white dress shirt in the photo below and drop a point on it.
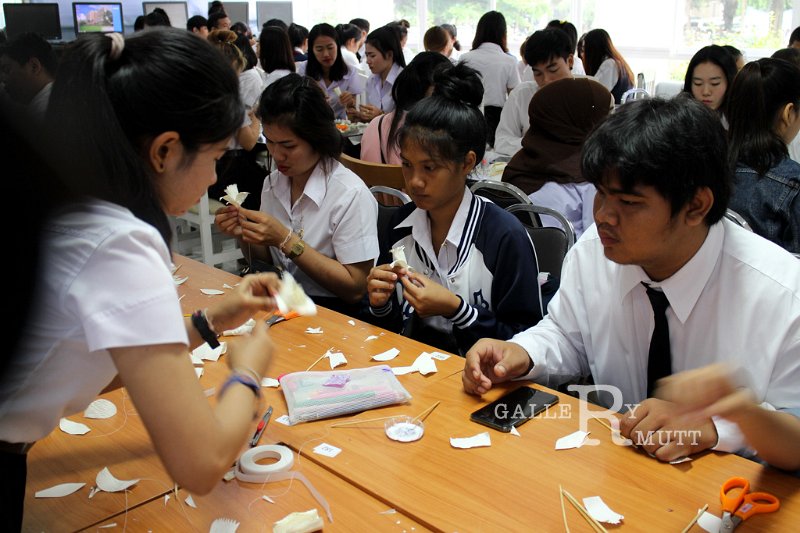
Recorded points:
(350, 58)
(275, 75)
(514, 119)
(337, 214)
(607, 73)
(107, 284)
(498, 72)
(379, 93)
(352, 83)
(736, 301)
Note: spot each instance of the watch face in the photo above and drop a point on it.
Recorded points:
(297, 249)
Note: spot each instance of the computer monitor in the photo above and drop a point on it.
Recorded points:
(273, 10)
(237, 11)
(36, 18)
(176, 11)
(97, 18)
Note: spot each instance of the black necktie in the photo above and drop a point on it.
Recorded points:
(659, 360)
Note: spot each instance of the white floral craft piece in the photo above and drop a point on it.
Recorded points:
(233, 196)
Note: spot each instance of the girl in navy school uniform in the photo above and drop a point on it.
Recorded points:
(472, 270)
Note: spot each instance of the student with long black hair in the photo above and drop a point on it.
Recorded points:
(602, 60)
(317, 221)
(275, 53)
(764, 117)
(472, 270)
(326, 65)
(126, 138)
(709, 78)
(386, 61)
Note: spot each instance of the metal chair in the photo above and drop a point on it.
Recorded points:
(733, 216)
(504, 195)
(389, 201)
(551, 243)
(634, 94)
(375, 173)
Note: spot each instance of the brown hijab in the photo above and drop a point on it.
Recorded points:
(562, 114)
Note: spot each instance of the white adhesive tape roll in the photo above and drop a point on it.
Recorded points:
(249, 466)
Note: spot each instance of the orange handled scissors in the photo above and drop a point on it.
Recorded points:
(739, 504)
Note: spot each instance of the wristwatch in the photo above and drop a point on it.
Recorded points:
(296, 250)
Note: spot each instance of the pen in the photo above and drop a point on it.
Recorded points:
(262, 425)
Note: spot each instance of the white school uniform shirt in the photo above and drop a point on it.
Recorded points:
(498, 72)
(514, 119)
(251, 85)
(350, 59)
(379, 93)
(107, 284)
(607, 73)
(573, 200)
(352, 82)
(275, 75)
(337, 214)
(38, 104)
(736, 301)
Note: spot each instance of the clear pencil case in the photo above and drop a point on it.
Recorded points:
(316, 395)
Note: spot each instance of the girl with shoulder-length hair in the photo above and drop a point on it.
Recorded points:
(326, 65)
(498, 70)
(465, 255)
(318, 220)
(385, 60)
(709, 77)
(764, 117)
(275, 53)
(126, 136)
(602, 60)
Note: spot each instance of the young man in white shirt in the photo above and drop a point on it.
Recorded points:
(27, 69)
(663, 183)
(549, 53)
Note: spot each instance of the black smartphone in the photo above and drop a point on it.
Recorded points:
(514, 408)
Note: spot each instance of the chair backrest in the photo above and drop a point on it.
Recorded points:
(668, 89)
(389, 201)
(504, 195)
(551, 243)
(375, 173)
(634, 94)
(733, 216)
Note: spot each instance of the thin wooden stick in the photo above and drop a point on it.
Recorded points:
(563, 509)
(592, 522)
(453, 374)
(321, 357)
(604, 423)
(424, 414)
(351, 422)
(695, 519)
(177, 268)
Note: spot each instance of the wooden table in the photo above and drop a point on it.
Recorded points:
(510, 486)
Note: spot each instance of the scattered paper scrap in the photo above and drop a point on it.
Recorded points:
(166, 499)
(195, 360)
(269, 382)
(388, 355)
(680, 460)
(199, 372)
(212, 292)
(224, 525)
(204, 351)
(73, 428)
(267, 498)
(190, 502)
(297, 521)
(389, 511)
(476, 441)
(100, 408)
(514, 431)
(292, 297)
(226, 286)
(601, 512)
(328, 450)
(573, 440)
(108, 526)
(59, 491)
(403, 370)
(107, 482)
(93, 491)
(284, 419)
(710, 522)
(210, 392)
(425, 364)
(233, 196)
(337, 380)
(314, 331)
(351, 322)
(371, 338)
(336, 359)
(180, 281)
(244, 329)
(440, 356)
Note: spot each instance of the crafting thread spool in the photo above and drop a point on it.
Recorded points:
(249, 466)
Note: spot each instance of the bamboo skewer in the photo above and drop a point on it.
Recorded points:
(352, 422)
(695, 519)
(563, 509)
(424, 414)
(592, 522)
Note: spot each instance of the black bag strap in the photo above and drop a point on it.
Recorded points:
(380, 138)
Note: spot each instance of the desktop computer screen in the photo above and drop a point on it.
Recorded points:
(36, 18)
(97, 18)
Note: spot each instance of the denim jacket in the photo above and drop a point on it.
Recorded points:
(770, 202)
